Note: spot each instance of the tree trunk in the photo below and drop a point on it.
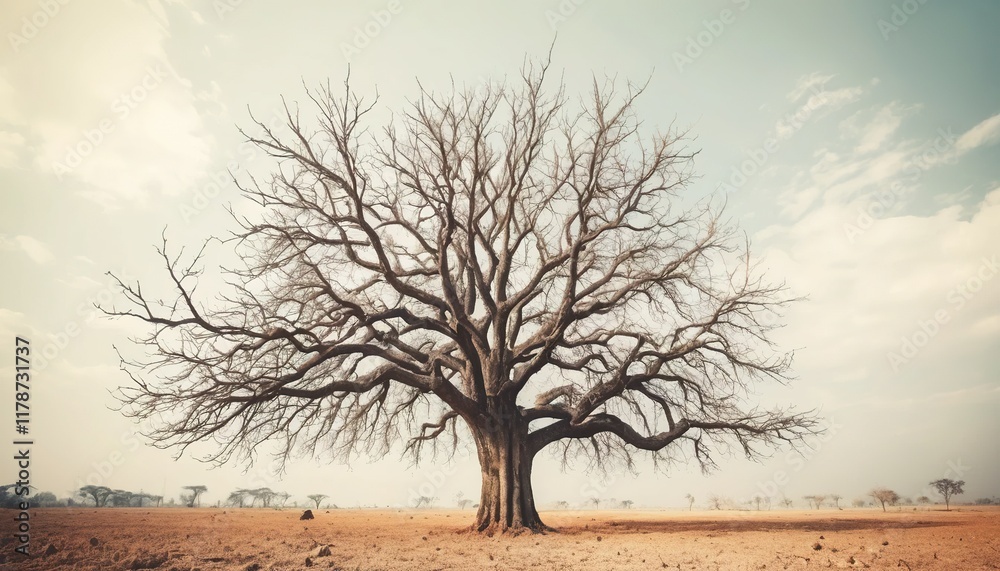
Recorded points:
(506, 502)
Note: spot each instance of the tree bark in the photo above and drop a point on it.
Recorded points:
(506, 503)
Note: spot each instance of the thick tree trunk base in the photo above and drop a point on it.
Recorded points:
(507, 504)
(510, 531)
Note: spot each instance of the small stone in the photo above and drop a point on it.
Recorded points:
(309, 562)
(817, 546)
(51, 550)
(885, 543)
(323, 551)
(308, 514)
(94, 542)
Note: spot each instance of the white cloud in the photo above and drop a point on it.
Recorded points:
(985, 133)
(872, 128)
(10, 148)
(819, 104)
(131, 128)
(31, 247)
(813, 81)
(866, 296)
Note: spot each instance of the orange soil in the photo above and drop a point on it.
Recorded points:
(209, 539)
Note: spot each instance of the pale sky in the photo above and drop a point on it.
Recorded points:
(855, 142)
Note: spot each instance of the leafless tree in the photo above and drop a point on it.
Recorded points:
(282, 498)
(595, 501)
(462, 501)
(562, 504)
(626, 504)
(885, 496)
(858, 503)
(423, 502)
(787, 502)
(491, 264)
(317, 498)
(690, 500)
(836, 500)
(716, 502)
(948, 487)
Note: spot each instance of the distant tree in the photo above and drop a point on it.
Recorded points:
(786, 502)
(120, 498)
(8, 499)
(562, 504)
(100, 494)
(836, 500)
(461, 501)
(264, 495)
(715, 502)
(44, 500)
(141, 497)
(947, 488)
(193, 496)
(923, 500)
(690, 500)
(424, 501)
(858, 503)
(596, 502)
(627, 504)
(282, 498)
(986, 501)
(885, 496)
(238, 498)
(317, 498)
(816, 500)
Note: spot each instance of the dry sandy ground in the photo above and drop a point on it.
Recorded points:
(255, 539)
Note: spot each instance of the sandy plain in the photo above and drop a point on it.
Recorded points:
(206, 539)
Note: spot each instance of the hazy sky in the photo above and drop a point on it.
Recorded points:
(856, 144)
